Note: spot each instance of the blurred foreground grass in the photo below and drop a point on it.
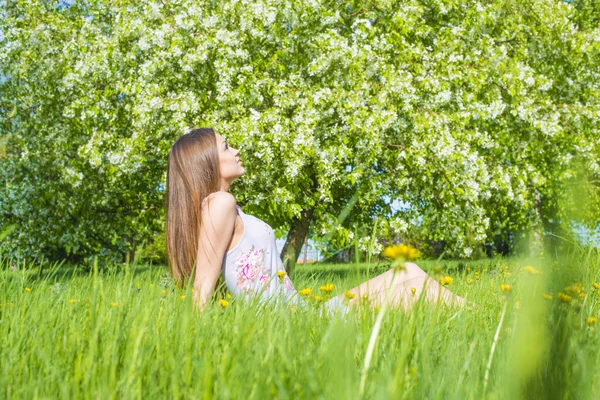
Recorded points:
(130, 334)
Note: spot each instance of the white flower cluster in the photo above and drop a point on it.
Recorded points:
(454, 118)
(370, 246)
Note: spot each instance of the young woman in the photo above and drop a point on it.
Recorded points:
(208, 234)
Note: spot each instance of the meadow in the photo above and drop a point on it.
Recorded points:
(454, 125)
(129, 333)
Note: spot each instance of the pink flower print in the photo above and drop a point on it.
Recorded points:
(265, 279)
(251, 271)
(248, 271)
(287, 282)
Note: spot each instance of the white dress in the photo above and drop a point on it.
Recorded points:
(250, 268)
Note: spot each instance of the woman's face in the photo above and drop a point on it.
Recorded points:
(229, 163)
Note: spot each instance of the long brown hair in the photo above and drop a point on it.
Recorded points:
(192, 174)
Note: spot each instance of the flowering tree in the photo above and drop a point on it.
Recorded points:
(473, 113)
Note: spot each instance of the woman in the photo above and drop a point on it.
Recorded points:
(205, 227)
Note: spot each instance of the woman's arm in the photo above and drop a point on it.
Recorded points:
(216, 231)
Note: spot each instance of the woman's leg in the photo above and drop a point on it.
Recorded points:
(412, 276)
(405, 294)
(383, 281)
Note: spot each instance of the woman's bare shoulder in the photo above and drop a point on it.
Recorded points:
(218, 204)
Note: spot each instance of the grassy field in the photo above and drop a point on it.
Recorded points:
(128, 333)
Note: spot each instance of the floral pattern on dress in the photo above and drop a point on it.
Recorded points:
(287, 282)
(250, 270)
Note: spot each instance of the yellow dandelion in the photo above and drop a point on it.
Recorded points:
(592, 320)
(413, 290)
(401, 250)
(376, 308)
(595, 285)
(469, 281)
(152, 285)
(506, 288)
(164, 292)
(582, 295)
(327, 288)
(564, 298)
(574, 289)
(228, 295)
(223, 303)
(348, 294)
(181, 297)
(531, 270)
(446, 280)
(306, 292)
(27, 289)
(115, 304)
(281, 274)
(319, 299)
(548, 296)
(73, 301)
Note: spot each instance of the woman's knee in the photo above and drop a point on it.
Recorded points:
(414, 270)
(418, 282)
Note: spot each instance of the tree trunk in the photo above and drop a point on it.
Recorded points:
(129, 256)
(298, 233)
(537, 241)
(306, 250)
(295, 239)
(132, 256)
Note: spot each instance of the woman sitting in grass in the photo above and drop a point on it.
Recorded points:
(206, 228)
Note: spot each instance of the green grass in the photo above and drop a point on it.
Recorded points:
(68, 338)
